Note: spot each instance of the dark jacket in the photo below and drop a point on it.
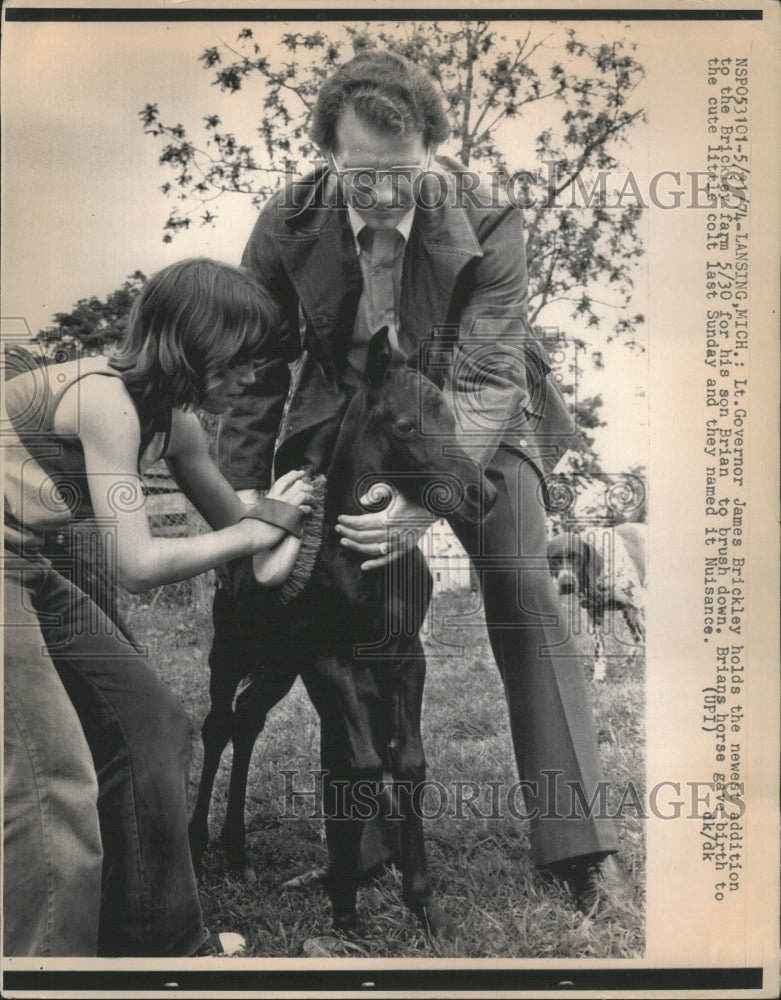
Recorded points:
(463, 286)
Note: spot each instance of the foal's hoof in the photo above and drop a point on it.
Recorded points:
(242, 870)
(349, 926)
(434, 921)
(239, 865)
(246, 873)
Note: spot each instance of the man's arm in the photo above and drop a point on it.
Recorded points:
(497, 378)
(248, 433)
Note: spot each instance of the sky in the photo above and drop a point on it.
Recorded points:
(81, 201)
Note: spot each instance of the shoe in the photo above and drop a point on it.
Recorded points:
(225, 944)
(602, 888)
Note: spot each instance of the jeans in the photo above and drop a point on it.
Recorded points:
(97, 860)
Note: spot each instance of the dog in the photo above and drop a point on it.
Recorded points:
(605, 571)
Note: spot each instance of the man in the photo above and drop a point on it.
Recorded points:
(389, 233)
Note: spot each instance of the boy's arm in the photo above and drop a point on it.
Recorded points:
(110, 437)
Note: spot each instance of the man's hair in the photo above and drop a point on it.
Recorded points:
(191, 321)
(386, 91)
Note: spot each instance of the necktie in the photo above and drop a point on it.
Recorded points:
(384, 247)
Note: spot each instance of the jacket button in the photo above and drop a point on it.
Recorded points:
(523, 442)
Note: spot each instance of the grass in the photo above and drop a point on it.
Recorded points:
(481, 867)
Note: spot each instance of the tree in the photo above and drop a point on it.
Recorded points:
(488, 82)
(93, 324)
(581, 252)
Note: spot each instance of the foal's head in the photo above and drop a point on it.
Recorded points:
(400, 429)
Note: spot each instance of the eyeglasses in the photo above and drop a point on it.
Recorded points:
(372, 176)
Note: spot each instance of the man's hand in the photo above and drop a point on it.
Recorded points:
(387, 534)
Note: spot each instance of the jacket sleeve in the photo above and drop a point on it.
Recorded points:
(498, 385)
(248, 432)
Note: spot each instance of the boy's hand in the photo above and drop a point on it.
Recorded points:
(295, 489)
(292, 488)
(273, 566)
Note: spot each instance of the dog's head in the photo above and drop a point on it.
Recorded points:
(574, 564)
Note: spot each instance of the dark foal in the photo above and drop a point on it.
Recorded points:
(353, 636)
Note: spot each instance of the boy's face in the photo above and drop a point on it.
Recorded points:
(361, 149)
(232, 385)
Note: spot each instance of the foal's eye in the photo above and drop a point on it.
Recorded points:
(404, 427)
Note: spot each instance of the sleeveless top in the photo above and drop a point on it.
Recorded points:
(45, 480)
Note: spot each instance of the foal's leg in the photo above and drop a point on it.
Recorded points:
(408, 766)
(244, 632)
(232, 655)
(343, 698)
(215, 734)
(261, 691)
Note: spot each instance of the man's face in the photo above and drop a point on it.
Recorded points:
(359, 150)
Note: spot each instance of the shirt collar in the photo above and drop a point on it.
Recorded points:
(403, 226)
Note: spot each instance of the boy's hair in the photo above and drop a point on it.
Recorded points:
(385, 90)
(191, 321)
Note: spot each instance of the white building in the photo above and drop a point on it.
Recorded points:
(447, 560)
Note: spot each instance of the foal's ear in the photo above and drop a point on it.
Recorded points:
(378, 358)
